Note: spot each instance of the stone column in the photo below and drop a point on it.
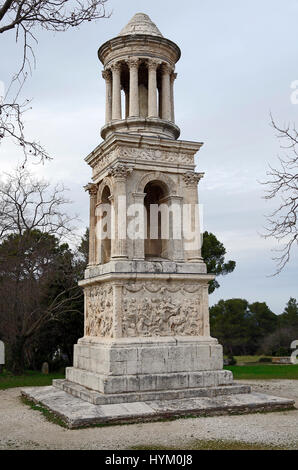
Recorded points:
(191, 223)
(139, 243)
(116, 107)
(166, 92)
(173, 78)
(126, 104)
(119, 214)
(108, 78)
(152, 89)
(134, 106)
(175, 202)
(172, 242)
(92, 190)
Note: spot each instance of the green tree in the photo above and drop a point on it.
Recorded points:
(213, 253)
(263, 323)
(289, 317)
(37, 285)
(230, 322)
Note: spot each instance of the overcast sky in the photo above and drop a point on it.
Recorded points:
(238, 62)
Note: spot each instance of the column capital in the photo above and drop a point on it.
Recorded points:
(140, 196)
(167, 68)
(173, 76)
(106, 74)
(133, 62)
(153, 64)
(120, 171)
(92, 189)
(116, 67)
(191, 178)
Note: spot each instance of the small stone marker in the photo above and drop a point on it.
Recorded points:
(45, 368)
(2, 356)
(281, 360)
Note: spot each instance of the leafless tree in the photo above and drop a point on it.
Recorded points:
(27, 204)
(33, 221)
(25, 17)
(283, 186)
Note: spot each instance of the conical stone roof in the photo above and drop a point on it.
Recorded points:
(140, 24)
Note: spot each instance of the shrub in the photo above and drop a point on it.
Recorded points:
(232, 361)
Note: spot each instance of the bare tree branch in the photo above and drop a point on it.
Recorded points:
(283, 186)
(25, 16)
(38, 273)
(28, 204)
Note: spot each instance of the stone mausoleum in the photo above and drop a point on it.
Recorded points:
(147, 350)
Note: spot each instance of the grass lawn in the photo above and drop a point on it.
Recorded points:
(248, 359)
(29, 379)
(264, 371)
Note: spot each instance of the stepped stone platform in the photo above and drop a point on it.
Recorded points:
(113, 398)
(76, 412)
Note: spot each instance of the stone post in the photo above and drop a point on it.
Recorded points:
(116, 107)
(191, 223)
(119, 212)
(134, 107)
(166, 92)
(173, 78)
(152, 89)
(108, 78)
(92, 190)
(2, 356)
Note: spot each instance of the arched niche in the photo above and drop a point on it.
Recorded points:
(164, 180)
(155, 245)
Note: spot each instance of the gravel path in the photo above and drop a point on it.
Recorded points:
(24, 428)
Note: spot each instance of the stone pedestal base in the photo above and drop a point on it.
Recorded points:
(146, 379)
(143, 364)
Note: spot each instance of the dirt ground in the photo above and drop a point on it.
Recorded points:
(24, 428)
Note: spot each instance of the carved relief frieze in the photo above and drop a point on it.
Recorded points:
(99, 311)
(140, 155)
(157, 156)
(151, 309)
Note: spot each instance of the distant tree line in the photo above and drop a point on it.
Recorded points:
(247, 329)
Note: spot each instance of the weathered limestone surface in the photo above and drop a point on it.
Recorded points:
(128, 397)
(77, 412)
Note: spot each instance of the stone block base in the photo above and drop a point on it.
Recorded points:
(76, 412)
(148, 364)
(148, 382)
(111, 398)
